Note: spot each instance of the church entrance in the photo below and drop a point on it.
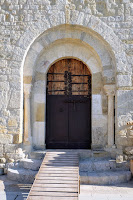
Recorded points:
(68, 114)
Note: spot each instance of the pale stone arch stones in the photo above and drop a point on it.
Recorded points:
(98, 55)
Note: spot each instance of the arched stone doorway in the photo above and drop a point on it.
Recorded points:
(99, 60)
(68, 113)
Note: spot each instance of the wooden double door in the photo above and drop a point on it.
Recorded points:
(68, 114)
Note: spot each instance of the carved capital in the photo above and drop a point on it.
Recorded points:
(110, 90)
(27, 90)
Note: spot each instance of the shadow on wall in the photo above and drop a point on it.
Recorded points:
(12, 190)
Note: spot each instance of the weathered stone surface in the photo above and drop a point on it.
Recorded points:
(2, 166)
(1, 150)
(129, 150)
(15, 100)
(17, 139)
(10, 160)
(124, 80)
(14, 156)
(40, 113)
(97, 100)
(119, 158)
(30, 164)
(12, 122)
(10, 148)
(21, 175)
(27, 79)
(2, 160)
(97, 165)
(105, 178)
(6, 139)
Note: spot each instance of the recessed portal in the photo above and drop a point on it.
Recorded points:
(68, 114)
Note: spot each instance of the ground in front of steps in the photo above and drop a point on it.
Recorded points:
(12, 190)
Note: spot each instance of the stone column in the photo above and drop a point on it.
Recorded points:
(110, 91)
(27, 121)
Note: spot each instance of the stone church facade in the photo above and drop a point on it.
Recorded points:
(35, 34)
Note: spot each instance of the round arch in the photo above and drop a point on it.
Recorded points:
(68, 49)
(66, 41)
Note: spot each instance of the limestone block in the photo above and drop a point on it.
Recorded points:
(97, 83)
(99, 136)
(6, 139)
(96, 66)
(99, 120)
(129, 150)
(21, 175)
(123, 141)
(1, 149)
(124, 96)
(17, 139)
(96, 104)
(2, 160)
(27, 79)
(3, 100)
(3, 78)
(39, 87)
(39, 133)
(10, 148)
(40, 76)
(4, 86)
(119, 158)
(2, 166)
(10, 160)
(3, 63)
(39, 98)
(12, 122)
(124, 80)
(14, 156)
(40, 112)
(109, 76)
(15, 100)
(31, 164)
(37, 47)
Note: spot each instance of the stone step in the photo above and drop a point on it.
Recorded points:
(96, 165)
(84, 154)
(21, 175)
(90, 165)
(105, 178)
(37, 155)
(32, 164)
(100, 154)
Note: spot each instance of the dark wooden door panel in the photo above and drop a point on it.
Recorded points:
(68, 123)
(57, 119)
(79, 119)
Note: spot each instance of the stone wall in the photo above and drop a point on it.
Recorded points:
(22, 22)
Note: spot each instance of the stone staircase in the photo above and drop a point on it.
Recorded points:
(26, 169)
(103, 171)
(96, 168)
